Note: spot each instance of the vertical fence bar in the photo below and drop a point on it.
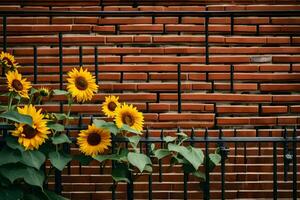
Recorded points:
(58, 185)
(222, 166)
(4, 43)
(294, 164)
(206, 41)
(150, 175)
(113, 187)
(80, 56)
(185, 185)
(274, 170)
(179, 87)
(285, 151)
(206, 185)
(96, 64)
(60, 36)
(159, 161)
(231, 78)
(130, 186)
(34, 65)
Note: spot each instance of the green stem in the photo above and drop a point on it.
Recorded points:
(10, 100)
(69, 109)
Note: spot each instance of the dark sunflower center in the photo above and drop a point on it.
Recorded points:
(8, 61)
(94, 139)
(128, 119)
(112, 106)
(44, 93)
(81, 83)
(29, 131)
(17, 85)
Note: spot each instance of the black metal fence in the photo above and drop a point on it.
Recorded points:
(290, 155)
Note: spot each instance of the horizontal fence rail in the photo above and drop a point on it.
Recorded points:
(153, 13)
(220, 141)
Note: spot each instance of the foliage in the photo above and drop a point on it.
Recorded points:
(24, 172)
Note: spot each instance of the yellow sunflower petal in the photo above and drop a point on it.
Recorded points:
(129, 115)
(31, 137)
(15, 83)
(81, 84)
(93, 141)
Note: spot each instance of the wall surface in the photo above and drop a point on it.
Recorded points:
(251, 80)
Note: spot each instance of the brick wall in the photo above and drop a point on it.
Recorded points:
(252, 80)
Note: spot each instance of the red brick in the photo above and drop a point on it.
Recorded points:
(237, 109)
(109, 29)
(279, 87)
(274, 68)
(274, 109)
(125, 20)
(141, 28)
(185, 117)
(246, 40)
(166, 20)
(119, 39)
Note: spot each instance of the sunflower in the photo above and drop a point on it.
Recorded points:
(31, 137)
(16, 84)
(81, 84)
(44, 92)
(8, 61)
(110, 105)
(129, 115)
(94, 141)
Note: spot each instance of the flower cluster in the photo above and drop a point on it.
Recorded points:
(40, 136)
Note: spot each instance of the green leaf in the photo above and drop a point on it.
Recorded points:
(99, 123)
(53, 196)
(8, 155)
(134, 140)
(5, 94)
(215, 158)
(4, 182)
(60, 92)
(17, 117)
(169, 139)
(11, 193)
(102, 158)
(139, 160)
(59, 159)
(30, 175)
(84, 160)
(33, 91)
(129, 129)
(33, 158)
(148, 168)
(60, 139)
(60, 116)
(112, 127)
(31, 197)
(34, 177)
(3, 108)
(109, 125)
(12, 142)
(56, 126)
(161, 153)
(200, 175)
(193, 155)
(181, 134)
(119, 174)
(152, 147)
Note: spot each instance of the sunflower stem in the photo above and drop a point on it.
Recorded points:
(69, 109)
(10, 100)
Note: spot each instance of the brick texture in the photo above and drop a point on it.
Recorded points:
(252, 80)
